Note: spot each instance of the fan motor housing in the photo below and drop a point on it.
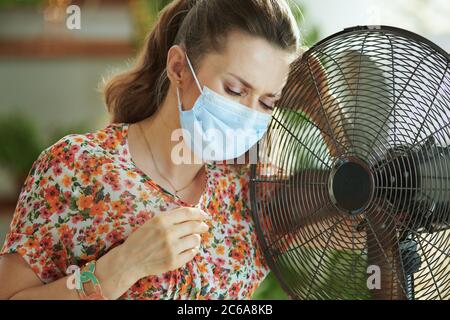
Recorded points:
(351, 185)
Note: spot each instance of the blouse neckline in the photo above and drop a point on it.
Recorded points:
(136, 169)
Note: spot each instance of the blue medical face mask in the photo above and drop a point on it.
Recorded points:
(218, 128)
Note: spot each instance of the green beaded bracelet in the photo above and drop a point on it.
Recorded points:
(87, 275)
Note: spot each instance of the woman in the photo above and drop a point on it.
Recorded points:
(118, 202)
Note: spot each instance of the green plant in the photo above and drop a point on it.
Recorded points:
(270, 289)
(16, 3)
(59, 132)
(145, 13)
(309, 35)
(20, 143)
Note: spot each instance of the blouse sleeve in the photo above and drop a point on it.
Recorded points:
(42, 201)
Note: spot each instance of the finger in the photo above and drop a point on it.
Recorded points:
(186, 214)
(189, 242)
(189, 227)
(187, 256)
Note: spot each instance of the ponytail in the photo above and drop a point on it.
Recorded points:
(136, 94)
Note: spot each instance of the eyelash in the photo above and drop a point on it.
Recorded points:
(233, 93)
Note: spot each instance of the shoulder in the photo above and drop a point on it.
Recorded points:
(62, 171)
(104, 140)
(82, 146)
(73, 156)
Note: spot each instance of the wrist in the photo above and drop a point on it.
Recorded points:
(90, 287)
(113, 273)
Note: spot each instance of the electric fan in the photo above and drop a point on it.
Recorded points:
(351, 193)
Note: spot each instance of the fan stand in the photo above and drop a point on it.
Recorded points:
(383, 251)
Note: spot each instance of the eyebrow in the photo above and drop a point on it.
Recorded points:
(247, 84)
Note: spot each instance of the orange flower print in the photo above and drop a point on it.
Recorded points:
(220, 249)
(43, 182)
(101, 136)
(51, 193)
(118, 207)
(237, 254)
(29, 230)
(31, 244)
(66, 181)
(90, 238)
(98, 209)
(202, 267)
(103, 228)
(131, 174)
(85, 178)
(56, 206)
(143, 195)
(97, 171)
(237, 215)
(238, 206)
(85, 202)
(206, 236)
(223, 183)
(234, 290)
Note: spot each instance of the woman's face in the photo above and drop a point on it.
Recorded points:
(250, 71)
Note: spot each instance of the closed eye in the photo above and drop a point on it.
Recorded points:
(233, 93)
(266, 106)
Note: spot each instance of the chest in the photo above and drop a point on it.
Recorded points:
(229, 263)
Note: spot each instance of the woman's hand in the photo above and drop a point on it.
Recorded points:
(164, 243)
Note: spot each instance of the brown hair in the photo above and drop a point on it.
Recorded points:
(200, 26)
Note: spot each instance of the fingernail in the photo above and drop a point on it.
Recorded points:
(206, 215)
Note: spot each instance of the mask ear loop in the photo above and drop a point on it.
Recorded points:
(195, 78)
(193, 73)
(179, 100)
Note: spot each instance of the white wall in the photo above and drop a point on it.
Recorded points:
(429, 18)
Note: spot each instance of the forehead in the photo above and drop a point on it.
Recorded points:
(254, 59)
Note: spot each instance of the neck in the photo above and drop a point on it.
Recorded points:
(158, 130)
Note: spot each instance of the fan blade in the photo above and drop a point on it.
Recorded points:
(361, 88)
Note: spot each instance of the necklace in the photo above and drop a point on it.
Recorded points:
(176, 191)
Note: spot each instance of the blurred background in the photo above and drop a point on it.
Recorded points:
(50, 75)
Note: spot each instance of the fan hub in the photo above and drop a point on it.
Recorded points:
(351, 185)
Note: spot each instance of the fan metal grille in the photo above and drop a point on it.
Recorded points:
(354, 172)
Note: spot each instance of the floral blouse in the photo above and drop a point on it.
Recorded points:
(84, 195)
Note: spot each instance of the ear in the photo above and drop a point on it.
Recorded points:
(176, 65)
